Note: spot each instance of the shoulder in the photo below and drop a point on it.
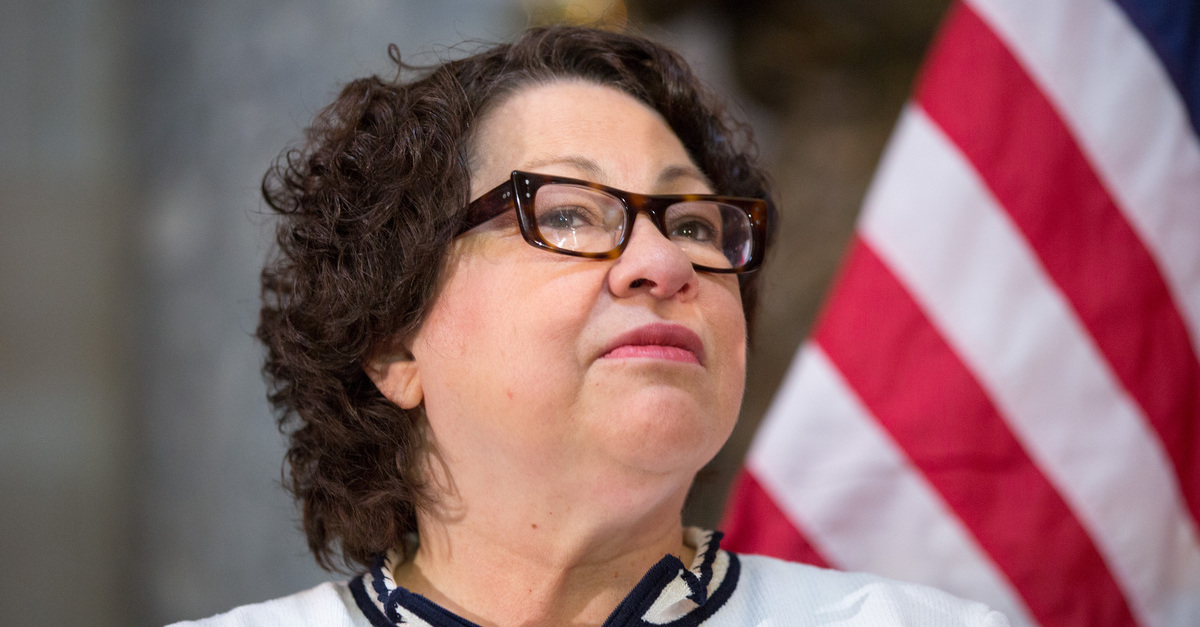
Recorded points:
(327, 605)
(806, 595)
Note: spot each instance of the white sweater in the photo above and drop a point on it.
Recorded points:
(721, 588)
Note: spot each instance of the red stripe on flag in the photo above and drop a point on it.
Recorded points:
(978, 93)
(755, 524)
(925, 397)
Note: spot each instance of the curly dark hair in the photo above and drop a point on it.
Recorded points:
(368, 207)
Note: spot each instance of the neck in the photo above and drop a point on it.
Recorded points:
(532, 558)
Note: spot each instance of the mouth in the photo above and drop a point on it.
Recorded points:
(663, 341)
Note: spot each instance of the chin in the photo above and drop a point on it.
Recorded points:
(666, 432)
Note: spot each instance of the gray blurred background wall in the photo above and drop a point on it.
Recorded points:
(139, 465)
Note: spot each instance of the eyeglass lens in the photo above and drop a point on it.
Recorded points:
(583, 219)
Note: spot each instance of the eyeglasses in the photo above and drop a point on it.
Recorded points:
(721, 234)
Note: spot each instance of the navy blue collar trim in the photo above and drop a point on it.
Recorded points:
(714, 602)
(629, 613)
(400, 598)
(363, 599)
(699, 585)
(635, 604)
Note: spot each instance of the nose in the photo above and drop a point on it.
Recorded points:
(654, 264)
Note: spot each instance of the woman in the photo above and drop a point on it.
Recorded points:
(507, 324)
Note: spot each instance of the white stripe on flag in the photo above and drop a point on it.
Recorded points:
(828, 464)
(981, 286)
(1119, 102)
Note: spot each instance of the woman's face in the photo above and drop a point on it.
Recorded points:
(532, 363)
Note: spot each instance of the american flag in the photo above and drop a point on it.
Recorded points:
(1001, 397)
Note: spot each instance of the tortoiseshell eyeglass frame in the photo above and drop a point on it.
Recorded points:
(524, 185)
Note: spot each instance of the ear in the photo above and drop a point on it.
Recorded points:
(397, 378)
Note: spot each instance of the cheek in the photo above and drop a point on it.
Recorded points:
(727, 319)
(537, 341)
(728, 322)
(501, 342)
(452, 338)
(455, 332)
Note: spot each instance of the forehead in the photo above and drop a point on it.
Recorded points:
(561, 127)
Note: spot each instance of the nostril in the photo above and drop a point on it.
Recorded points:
(638, 283)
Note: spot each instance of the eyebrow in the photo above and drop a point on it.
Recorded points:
(676, 172)
(592, 170)
(587, 166)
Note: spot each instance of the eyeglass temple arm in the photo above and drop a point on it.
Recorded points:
(491, 204)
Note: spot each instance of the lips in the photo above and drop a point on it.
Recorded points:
(664, 341)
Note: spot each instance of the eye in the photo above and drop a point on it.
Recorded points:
(695, 229)
(566, 217)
